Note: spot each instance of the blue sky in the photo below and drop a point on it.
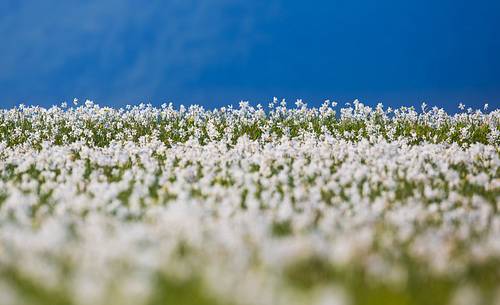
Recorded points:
(219, 52)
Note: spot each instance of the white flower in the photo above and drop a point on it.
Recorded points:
(101, 205)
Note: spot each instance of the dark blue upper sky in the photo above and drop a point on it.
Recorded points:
(222, 51)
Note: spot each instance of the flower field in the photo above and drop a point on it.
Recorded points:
(249, 205)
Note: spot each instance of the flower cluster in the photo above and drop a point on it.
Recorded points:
(248, 205)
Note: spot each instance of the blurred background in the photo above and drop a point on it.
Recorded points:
(219, 52)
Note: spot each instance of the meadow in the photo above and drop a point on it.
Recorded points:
(263, 205)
